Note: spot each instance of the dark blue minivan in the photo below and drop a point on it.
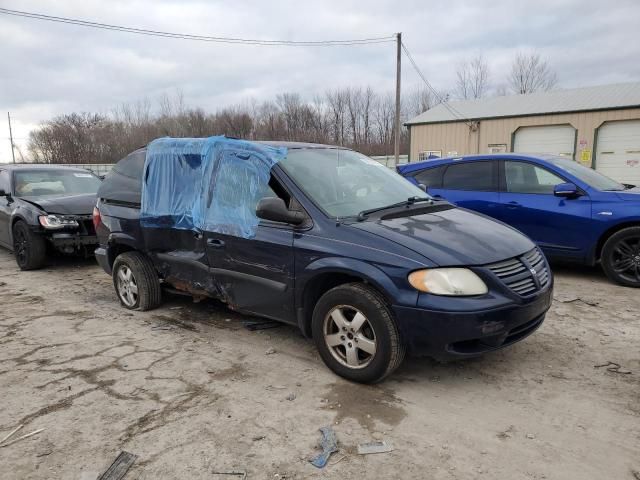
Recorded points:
(358, 258)
(572, 212)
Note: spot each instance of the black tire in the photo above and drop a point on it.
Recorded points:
(143, 276)
(621, 257)
(378, 325)
(29, 248)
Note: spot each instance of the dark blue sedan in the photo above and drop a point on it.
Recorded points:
(573, 212)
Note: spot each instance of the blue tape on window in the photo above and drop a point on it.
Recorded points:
(209, 184)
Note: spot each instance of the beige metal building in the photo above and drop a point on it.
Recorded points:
(597, 126)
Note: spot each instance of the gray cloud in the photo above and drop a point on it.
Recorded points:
(50, 69)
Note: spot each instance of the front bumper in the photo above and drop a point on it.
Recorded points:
(447, 334)
(61, 240)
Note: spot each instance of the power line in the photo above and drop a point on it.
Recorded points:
(442, 100)
(201, 38)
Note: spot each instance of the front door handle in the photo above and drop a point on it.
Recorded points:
(215, 243)
(437, 196)
(513, 205)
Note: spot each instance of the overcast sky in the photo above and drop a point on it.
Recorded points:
(50, 68)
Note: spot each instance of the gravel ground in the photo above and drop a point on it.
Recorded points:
(191, 391)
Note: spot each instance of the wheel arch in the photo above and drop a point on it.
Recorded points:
(597, 253)
(120, 243)
(17, 217)
(325, 274)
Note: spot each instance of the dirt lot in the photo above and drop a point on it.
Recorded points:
(191, 391)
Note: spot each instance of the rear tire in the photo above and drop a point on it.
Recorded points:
(621, 257)
(356, 334)
(29, 248)
(136, 282)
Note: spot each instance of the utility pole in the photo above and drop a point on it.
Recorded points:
(397, 119)
(13, 155)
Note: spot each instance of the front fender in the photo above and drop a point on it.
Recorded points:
(390, 281)
(28, 216)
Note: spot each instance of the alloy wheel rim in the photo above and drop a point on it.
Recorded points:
(350, 336)
(127, 286)
(626, 259)
(20, 247)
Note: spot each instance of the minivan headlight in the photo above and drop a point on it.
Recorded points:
(54, 222)
(448, 281)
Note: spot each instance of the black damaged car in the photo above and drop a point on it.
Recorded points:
(46, 209)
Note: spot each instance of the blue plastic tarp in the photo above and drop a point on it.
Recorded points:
(208, 184)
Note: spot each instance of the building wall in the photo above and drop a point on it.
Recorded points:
(459, 137)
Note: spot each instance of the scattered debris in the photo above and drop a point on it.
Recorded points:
(11, 433)
(119, 467)
(291, 397)
(507, 433)
(258, 438)
(46, 453)
(275, 387)
(242, 475)
(19, 438)
(339, 460)
(636, 474)
(163, 327)
(530, 436)
(591, 303)
(270, 351)
(329, 445)
(260, 324)
(614, 368)
(374, 447)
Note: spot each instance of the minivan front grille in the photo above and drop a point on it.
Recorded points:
(525, 274)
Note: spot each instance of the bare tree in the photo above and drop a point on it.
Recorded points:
(355, 117)
(531, 73)
(418, 101)
(472, 78)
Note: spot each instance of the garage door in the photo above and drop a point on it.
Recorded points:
(618, 151)
(555, 139)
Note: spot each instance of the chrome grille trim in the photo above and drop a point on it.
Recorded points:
(525, 274)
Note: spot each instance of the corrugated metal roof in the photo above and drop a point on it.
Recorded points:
(557, 101)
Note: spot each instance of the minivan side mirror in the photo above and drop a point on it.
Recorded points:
(3, 193)
(566, 190)
(274, 209)
(422, 187)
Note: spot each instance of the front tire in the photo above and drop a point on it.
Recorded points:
(30, 249)
(136, 282)
(621, 257)
(356, 334)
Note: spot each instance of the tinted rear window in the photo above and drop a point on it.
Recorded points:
(124, 182)
(478, 176)
(132, 165)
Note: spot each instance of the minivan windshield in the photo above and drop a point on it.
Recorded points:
(41, 182)
(587, 175)
(343, 183)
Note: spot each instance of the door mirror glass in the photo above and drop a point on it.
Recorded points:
(2, 193)
(566, 190)
(274, 209)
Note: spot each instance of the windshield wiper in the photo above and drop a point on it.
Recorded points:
(406, 203)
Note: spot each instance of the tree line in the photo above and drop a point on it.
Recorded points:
(356, 117)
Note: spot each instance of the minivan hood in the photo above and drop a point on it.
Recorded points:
(452, 237)
(64, 205)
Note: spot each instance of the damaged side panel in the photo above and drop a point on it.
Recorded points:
(199, 200)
